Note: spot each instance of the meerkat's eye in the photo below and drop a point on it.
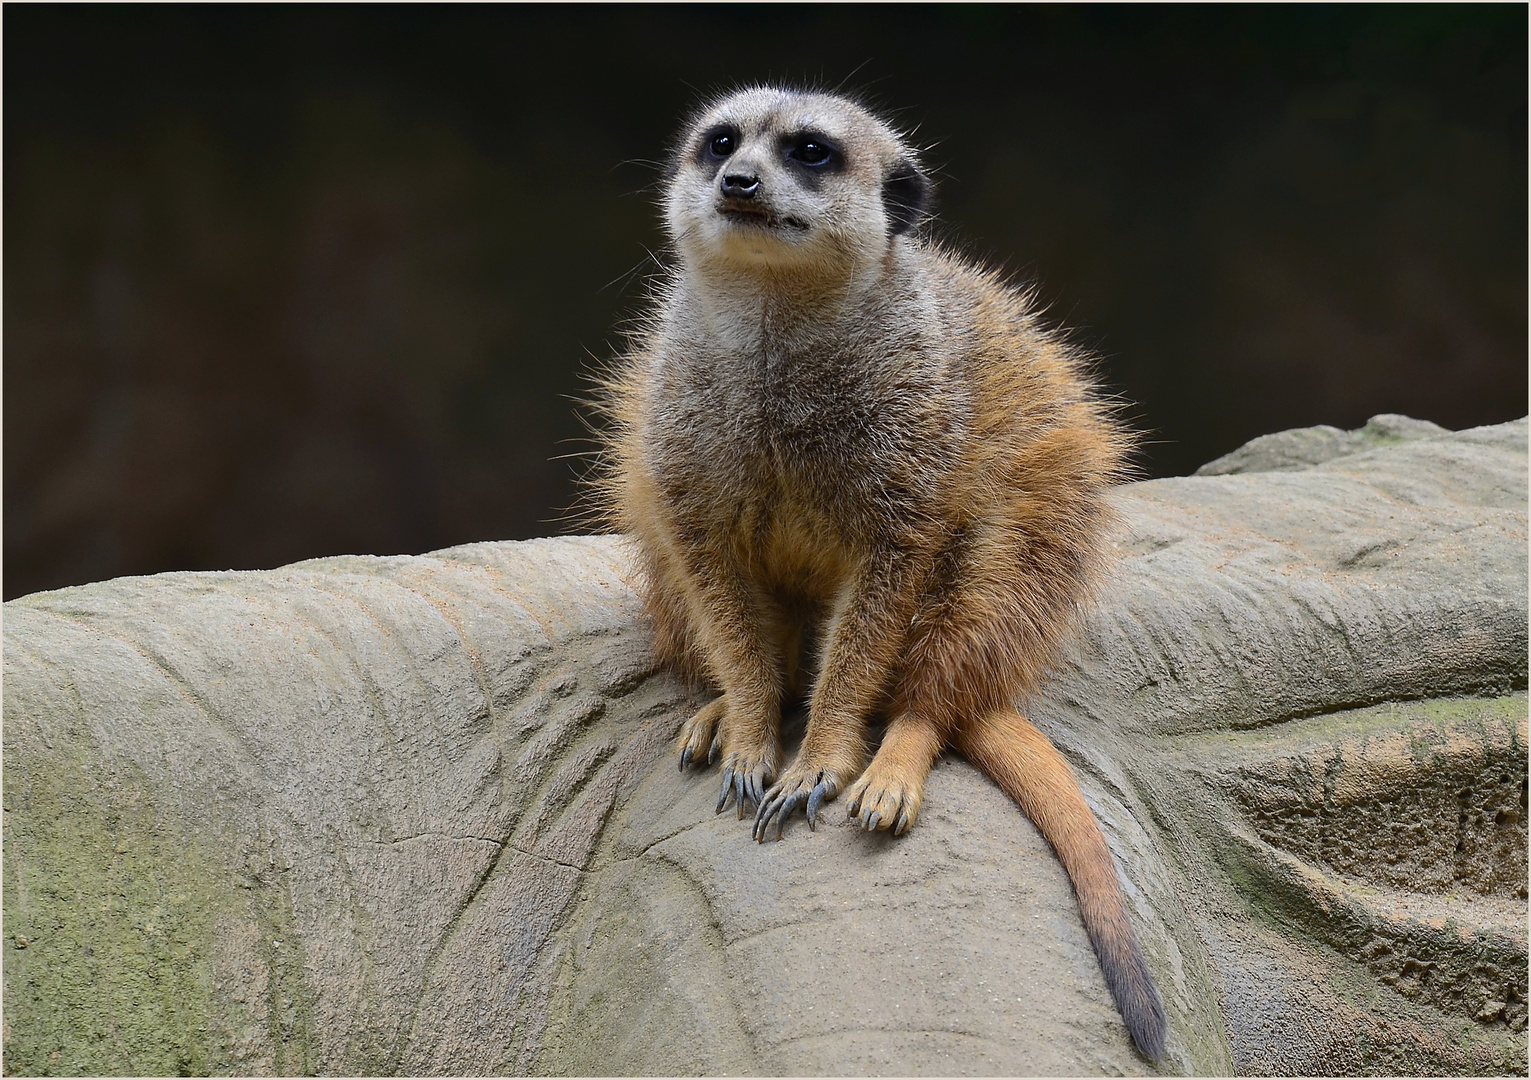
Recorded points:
(721, 145)
(810, 152)
(813, 150)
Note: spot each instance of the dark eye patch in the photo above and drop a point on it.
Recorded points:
(717, 144)
(810, 154)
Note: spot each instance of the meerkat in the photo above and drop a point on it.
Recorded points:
(831, 429)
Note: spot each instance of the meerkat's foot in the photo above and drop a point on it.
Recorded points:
(888, 795)
(703, 729)
(883, 799)
(805, 785)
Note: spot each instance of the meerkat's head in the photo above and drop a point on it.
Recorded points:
(769, 179)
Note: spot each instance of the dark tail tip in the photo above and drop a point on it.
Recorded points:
(1136, 996)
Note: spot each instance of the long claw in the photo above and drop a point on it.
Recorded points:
(685, 758)
(871, 820)
(788, 805)
(773, 805)
(901, 826)
(728, 776)
(853, 807)
(714, 750)
(762, 815)
(797, 800)
(816, 800)
(740, 780)
(762, 822)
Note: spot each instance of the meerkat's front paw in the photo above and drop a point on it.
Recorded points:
(748, 768)
(703, 730)
(884, 798)
(746, 775)
(804, 784)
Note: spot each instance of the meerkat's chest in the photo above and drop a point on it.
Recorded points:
(801, 412)
(839, 437)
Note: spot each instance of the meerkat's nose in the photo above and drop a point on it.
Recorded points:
(739, 186)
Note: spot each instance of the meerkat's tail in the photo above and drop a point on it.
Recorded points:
(1025, 764)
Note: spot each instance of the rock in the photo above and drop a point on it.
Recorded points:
(1302, 447)
(421, 814)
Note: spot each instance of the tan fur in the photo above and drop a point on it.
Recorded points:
(830, 428)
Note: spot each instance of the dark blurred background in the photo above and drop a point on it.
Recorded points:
(291, 281)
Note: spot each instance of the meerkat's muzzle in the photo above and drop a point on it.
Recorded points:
(747, 211)
(740, 186)
(739, 199)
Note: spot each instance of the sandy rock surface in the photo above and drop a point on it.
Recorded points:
(421, 814)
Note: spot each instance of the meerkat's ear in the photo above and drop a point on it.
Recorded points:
(905, 195)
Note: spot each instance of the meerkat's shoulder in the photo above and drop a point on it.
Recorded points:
(981, 296)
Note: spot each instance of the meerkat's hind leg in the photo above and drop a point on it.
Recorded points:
(889, 794)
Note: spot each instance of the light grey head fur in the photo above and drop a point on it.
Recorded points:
(787, 184)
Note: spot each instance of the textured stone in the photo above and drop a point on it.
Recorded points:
(421, 814)
(1299, 448)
